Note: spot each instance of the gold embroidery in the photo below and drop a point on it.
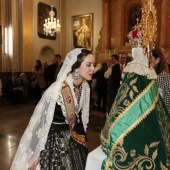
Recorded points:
(139, 162)
(133, 81)
(131, 94)
(126, 102)
(134, 125)
(110, 118)
(130, 75)
(122, 92)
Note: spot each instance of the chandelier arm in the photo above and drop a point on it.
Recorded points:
(51, 25)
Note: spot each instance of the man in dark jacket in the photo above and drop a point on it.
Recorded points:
(113, 80)
(54, 69)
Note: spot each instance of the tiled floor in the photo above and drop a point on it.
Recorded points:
(14, 119)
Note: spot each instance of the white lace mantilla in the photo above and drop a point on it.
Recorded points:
(140, 64)
(35, 136)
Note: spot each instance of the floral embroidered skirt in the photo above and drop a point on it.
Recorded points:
(62, 152)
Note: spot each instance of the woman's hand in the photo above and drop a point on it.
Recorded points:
(34, 166)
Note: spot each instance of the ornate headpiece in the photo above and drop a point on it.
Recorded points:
(135, 36)
(142, 38)
(144, 33)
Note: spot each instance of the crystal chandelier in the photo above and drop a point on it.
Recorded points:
(51, 25)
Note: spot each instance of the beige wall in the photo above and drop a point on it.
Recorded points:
(77, 7)
(27, 46)
(39, 43)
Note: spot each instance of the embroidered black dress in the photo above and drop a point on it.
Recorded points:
(61, 151)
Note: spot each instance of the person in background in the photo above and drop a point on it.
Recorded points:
(101, 87)
(54, 69)
(40, 84)
(94, 94)
(10, 88)
(46, 72)
(56, 134)
(167, 61)
(158, 62)
(113, 80)
(23, 84)
(122, 61)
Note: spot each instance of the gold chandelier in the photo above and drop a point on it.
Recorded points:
(51, 26)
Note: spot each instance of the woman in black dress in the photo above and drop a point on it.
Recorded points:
(55, 138)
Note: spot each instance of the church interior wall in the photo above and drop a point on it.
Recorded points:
(44, 49)
(110, 28)
(116, 27)
(75, 7)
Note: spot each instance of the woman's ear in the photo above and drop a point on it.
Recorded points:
(157, 60)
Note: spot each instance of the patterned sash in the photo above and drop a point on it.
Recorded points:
(71, 114)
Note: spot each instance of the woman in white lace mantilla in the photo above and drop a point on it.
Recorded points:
(56, 134)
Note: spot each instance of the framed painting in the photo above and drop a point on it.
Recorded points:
(43, 13)
(82, 31)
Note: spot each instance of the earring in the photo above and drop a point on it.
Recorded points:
(76, 74)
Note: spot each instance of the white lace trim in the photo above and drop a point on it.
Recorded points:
(140, 64)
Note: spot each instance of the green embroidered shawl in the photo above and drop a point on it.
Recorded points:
(137, 106)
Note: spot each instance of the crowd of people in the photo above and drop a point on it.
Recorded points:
(107, 82)
(104, 85)
(18, 86)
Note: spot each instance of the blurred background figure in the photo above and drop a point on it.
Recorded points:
(167, 61)
(158, 62)
(23, 84)
(54, 69)
(101, 87)
(122, 61)
(39, 83)
(114, 78)
(46, 71)
(94, 94)
(11, 90)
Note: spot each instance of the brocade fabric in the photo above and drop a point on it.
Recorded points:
(136, 134)
(62, 152)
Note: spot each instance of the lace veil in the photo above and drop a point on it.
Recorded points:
(140, 64)
(142, 38)
(35, 135)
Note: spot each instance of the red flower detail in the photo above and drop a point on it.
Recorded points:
(135, 34)
(68, 100)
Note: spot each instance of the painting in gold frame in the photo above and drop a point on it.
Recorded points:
(82, 31)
